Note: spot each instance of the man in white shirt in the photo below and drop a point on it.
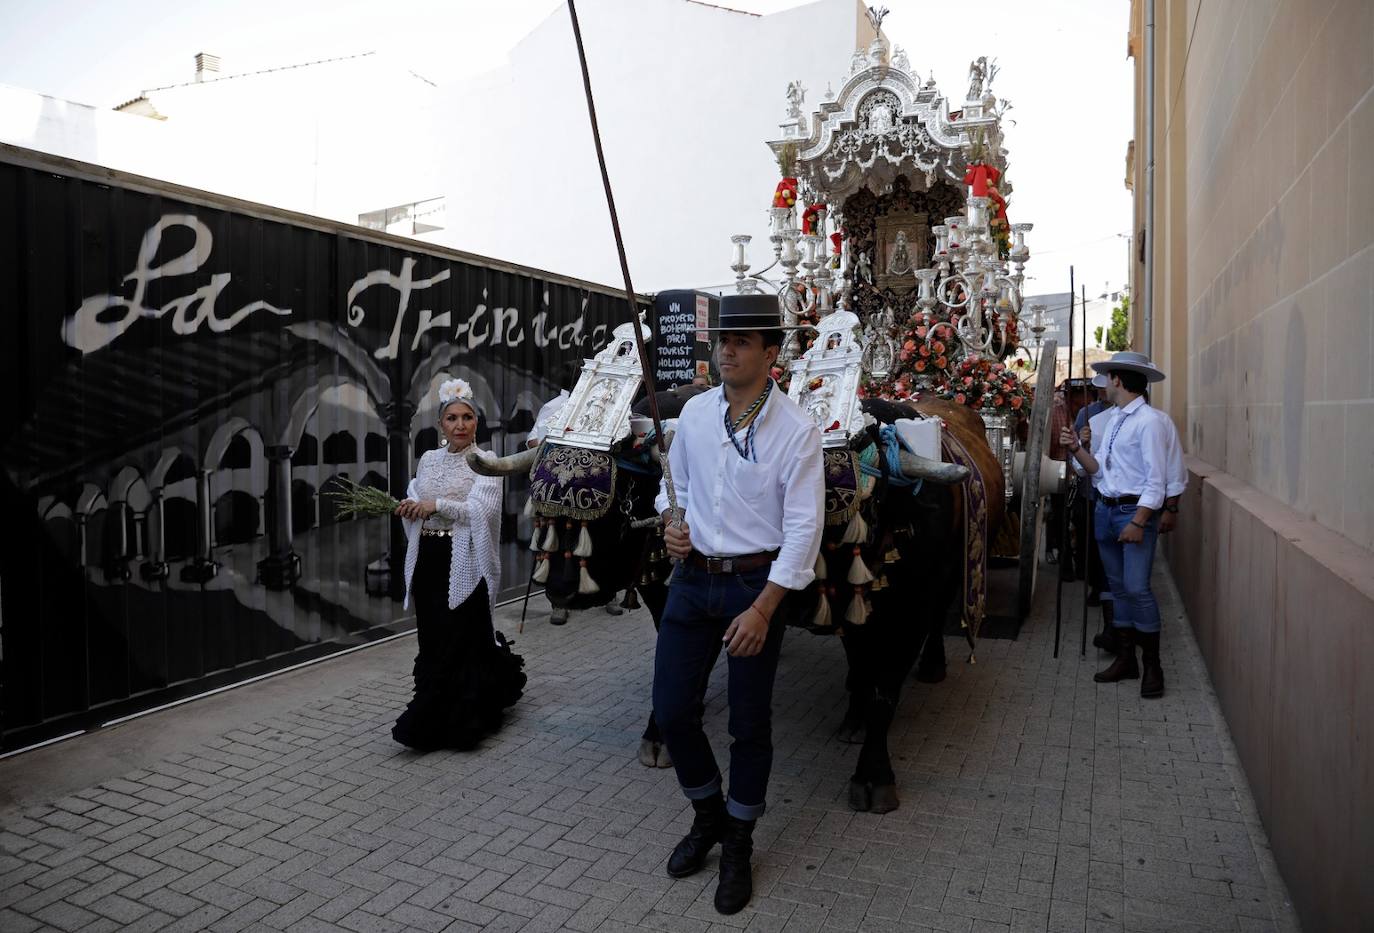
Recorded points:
(1130, 466)
(746, 469)
(1176, 483)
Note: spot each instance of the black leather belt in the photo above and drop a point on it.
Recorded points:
(741, 564)
(1119, 500)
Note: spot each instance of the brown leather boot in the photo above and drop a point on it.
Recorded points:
(1152, 676)
(1124, 667)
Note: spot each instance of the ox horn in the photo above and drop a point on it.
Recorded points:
(486, 465)
(914, 466)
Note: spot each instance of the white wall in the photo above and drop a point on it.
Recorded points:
(686, 94)
(333, 139)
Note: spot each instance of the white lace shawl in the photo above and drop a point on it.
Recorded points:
(469, 506)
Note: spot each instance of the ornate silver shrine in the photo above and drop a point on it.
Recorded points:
(913, 190)
(825, 381)
(597, 415)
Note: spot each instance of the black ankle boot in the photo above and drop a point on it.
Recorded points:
(708, 828)
(1124, 667)
(1152, 675)
(1106, 639)
(736, 883)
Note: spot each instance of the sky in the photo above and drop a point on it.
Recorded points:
(1063, 66)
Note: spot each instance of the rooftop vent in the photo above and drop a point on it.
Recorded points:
(206, 64)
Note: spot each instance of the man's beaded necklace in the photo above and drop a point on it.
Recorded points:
(749, 421)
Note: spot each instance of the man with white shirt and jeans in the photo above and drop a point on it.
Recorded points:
(746, 468)
(1130, 467)
(1176, 482)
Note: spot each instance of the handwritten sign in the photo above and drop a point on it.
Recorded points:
(681, 341)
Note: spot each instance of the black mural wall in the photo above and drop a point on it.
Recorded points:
(184, 377)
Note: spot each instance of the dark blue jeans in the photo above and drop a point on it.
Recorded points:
(1128, 567)
(700, 608)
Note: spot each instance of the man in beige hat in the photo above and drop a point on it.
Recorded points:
(1130, 468)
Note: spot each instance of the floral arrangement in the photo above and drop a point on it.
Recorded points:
(981, 383)
(924, 352)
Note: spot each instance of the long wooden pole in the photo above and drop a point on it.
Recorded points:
(1087, 482)
(624, 263)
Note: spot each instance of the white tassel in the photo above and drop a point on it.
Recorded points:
(856, 532)
(821, 570)
(541, 570)
(550, 542)
(584, 543)
(529, 508)
(857, 613)
(586, 586)
(858, 570)
(822, 618)
(534, 538)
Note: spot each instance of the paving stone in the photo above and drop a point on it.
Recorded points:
(119, 908)
(65, 916)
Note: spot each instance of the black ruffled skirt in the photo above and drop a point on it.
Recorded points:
(466, 675)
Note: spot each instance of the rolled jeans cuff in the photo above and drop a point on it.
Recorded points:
(709, 789)
(742, 811)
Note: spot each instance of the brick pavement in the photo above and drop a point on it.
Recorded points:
(1032, 800)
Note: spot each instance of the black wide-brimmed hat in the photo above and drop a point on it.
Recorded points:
(744, 313)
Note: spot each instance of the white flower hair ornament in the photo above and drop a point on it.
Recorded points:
(456, 390)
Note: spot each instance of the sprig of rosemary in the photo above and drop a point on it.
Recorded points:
(356, 499)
